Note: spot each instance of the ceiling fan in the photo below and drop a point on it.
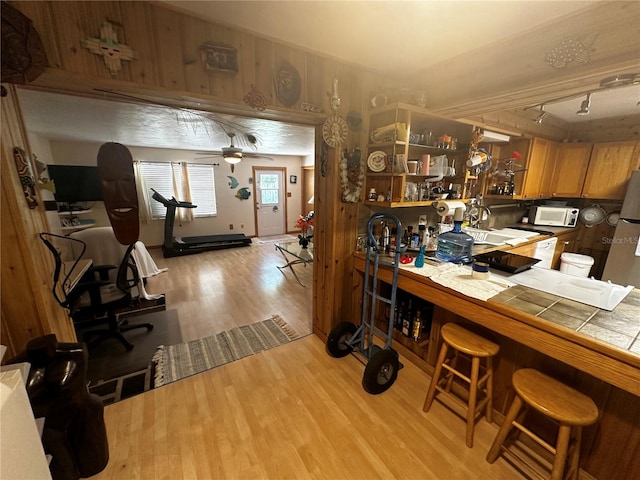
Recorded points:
(232, 154)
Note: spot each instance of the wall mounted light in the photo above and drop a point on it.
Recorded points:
(541, 116)
(584, 106)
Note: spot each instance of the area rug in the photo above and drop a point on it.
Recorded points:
(275, 239)
(174, 362)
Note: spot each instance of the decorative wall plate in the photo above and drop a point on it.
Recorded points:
(288, 84)
(334, 131)
(376, 161)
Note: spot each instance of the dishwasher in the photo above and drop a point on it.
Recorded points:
(544, 252)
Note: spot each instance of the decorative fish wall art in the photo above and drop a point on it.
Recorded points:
(243, 193)
(233, 182)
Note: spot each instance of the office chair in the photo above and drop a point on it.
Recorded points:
(94, 299)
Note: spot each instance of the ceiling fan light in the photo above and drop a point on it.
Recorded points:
(232, 160)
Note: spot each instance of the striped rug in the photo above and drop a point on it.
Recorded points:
(174, 362)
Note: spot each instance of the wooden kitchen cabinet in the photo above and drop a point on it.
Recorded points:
(569, 169)
(609, 170)
(536, 166)
(546, 184)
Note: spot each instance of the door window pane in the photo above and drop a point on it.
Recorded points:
(269, 189)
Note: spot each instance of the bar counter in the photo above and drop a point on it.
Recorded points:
(600, 343)
(592, 350)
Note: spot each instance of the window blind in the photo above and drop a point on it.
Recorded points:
(162, 176)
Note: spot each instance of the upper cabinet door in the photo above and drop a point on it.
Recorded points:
(546, 186)
(536, 167)
(610, 168)
(570, 169)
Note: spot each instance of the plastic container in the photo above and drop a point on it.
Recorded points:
(576, 264)
(455, 246)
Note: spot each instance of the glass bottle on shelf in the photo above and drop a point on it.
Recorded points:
(455, 246)
(399, 312)
(406, 321)
(416, 333)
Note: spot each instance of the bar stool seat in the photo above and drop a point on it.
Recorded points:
(570, 408)
(462, 340)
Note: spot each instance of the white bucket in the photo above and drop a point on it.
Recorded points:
(575, 264)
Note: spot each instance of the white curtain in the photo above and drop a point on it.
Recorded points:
(144, 205)
(179, 186)
(180, 181)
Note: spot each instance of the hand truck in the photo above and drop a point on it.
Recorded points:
(382, 363)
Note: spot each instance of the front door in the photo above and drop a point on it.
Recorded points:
(269, 194)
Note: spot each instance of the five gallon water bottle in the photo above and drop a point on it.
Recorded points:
(455, 246)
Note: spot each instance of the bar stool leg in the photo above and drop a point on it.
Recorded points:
(473, 398)
(434, 380)
(494, 451)
(450, 375)
(489, 387)
(574, 460)
(562, 448)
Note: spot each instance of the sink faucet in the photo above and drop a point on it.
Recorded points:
(480, 215)
(477, 212)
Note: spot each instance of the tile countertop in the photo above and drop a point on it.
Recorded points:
(620, 327)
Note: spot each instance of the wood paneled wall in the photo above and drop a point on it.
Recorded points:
(28, 307)
(168, 68)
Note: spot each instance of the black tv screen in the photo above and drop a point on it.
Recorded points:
(75, 183)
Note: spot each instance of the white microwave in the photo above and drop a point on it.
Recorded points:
(553, 216)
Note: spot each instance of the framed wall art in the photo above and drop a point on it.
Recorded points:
(219, 57)
(293, 179)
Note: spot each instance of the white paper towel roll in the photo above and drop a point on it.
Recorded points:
(445, 208)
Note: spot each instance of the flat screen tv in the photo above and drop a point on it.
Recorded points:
(75, 183)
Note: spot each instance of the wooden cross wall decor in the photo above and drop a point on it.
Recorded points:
(107, 46)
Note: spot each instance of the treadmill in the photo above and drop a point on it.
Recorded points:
(176, 246)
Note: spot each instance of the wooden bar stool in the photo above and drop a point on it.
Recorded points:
(477, 347)
(570, 408)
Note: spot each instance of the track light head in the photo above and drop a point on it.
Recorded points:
(584, 106)
(541, 116)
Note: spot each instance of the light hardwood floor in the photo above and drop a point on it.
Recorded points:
(292, 412)
(221, 289)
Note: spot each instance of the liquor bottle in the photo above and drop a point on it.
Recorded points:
(455, 246)
(422, 229)
(398, 319)
(392, 242)
(386, 238)
(406, 321)
(417, 327)
(406, 326)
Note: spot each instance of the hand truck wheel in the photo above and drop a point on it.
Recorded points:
(381, 371)
(337, 340)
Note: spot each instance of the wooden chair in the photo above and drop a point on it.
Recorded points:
(463, 341)
(570, 408)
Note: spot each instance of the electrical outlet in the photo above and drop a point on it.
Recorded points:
(231, 226)
(242, 225)
(422, 220)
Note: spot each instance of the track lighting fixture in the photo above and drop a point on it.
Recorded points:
(584, 106)
(541, 116)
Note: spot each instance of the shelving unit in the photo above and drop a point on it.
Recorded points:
(409, 132)
(420, 347)
(73, 223)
